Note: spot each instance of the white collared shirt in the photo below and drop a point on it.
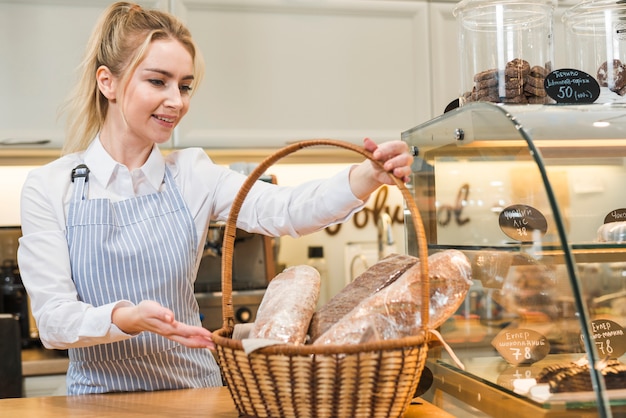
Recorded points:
(207, 188)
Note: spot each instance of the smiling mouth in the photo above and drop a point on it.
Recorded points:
(168, 120)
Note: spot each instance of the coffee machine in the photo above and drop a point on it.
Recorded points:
(13, 298)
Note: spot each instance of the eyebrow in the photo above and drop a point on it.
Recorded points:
(168, 74)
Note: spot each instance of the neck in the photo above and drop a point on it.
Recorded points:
(132, 154)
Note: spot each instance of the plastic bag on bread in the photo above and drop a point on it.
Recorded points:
(288, 305)
(371, 281)
(395, 311)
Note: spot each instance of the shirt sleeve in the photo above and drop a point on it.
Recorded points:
(210, 189)
(299, 210)
(43, 257)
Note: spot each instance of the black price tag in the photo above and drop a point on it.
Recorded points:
(521, 346)
(519, 222)
(617, 215)
(609, 338)
(571, 86)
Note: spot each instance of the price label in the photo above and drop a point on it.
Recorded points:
(617, 215)
(520, 222)
(521, 346)
(609, 338)
(568, 85)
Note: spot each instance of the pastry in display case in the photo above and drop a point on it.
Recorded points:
(534, 197)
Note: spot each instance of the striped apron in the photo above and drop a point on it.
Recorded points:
(142, 248)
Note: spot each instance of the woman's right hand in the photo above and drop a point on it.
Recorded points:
(153, 317)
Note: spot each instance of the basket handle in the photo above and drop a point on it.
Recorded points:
(231, 224)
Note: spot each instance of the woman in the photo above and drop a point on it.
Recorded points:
(112, 230)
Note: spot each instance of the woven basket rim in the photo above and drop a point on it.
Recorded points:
(222, 336)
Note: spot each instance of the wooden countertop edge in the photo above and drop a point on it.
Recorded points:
(207, 402)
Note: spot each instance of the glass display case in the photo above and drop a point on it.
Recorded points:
(534, 196)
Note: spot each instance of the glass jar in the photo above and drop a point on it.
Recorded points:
(595, 37)
(506, 49)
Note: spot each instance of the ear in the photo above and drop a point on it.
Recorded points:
(106, 82)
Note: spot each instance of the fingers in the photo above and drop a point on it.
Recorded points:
(391, 149)
(194, 342)
(155, 318)
(369, 145)
(191, 336)
(395, 157)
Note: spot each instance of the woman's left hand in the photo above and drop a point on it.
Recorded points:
(396, 159)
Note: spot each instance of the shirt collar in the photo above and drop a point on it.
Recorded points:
(102, 166)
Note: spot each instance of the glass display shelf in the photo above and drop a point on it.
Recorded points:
(533, 195)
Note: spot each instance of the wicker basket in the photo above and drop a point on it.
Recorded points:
(376, 379)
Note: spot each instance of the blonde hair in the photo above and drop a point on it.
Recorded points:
(119, 41)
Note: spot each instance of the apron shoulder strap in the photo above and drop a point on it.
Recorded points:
(80, 176)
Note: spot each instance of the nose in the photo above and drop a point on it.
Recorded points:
(174, 98)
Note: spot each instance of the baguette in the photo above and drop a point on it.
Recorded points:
(287, 306)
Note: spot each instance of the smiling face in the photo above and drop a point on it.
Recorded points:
(155, 98)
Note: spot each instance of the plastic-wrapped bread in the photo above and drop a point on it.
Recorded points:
(395, 311)
(288, 305)
(374, 279)
(612, 232)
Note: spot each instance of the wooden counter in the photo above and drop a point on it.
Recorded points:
(188, 403)
(43, 362)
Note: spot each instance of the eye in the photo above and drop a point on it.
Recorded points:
(185, 89)
(156, 82)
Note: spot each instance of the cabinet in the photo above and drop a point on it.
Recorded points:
(534, 196)
(41, 44)
(279, 71)
(444, 56)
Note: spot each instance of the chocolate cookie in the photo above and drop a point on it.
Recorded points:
(616, 75)
(484, 75)
(513, 82)
(539, 71)
(535, 81)
(534, 91)
(487, 95)
(486, 83)
(517, 68)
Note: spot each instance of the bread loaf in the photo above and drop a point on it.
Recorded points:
(287, 306)
(395, 311)
(374, 279)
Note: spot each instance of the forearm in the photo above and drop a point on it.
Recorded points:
(63, 321)
(72, 324)
(299, 210)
